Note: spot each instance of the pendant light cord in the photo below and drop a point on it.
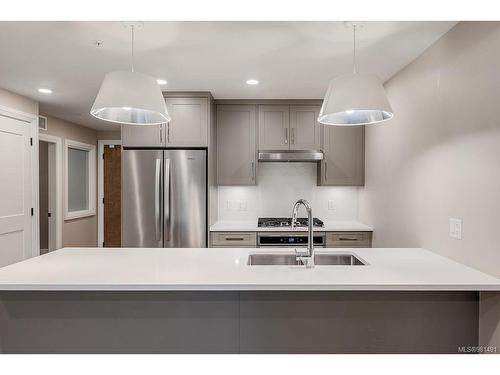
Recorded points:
(132, 28)
(354, 68)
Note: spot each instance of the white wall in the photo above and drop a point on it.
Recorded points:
(279, 186)
(439, 158)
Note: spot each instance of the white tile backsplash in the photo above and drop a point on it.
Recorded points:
(279, 186)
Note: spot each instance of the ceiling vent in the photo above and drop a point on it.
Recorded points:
(42, 123)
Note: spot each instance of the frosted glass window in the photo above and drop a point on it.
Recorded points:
(78, 180)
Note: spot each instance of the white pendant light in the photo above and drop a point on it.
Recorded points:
(129, 97)
(355, 99)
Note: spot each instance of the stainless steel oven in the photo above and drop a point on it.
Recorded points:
(288, 239)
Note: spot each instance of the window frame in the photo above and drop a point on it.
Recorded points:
(91, 149)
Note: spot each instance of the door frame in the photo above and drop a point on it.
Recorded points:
(57, 141)
(31, 120)
(100, 185)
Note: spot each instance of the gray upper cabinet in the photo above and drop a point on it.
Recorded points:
(189, 122)
(344, 156)
(143, 136)
(236, 146)
(274, 127)
(305, 130)
(188, 126)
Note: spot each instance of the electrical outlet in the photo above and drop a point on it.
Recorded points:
(232, 205)
(331, 205)
(456, 228)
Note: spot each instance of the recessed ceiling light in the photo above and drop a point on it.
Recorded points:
(161, 81)
(45, 91)
(252, 82)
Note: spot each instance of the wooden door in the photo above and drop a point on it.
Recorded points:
(143, 135)
(189, 122)
(274, 127)
(112, 196)
(344, 156)
(236, 139)
(305, 130)
(16, 182)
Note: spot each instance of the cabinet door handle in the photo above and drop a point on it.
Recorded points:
(168, 133)
(253, 170)
(286, 135)
(161, 131)
(293, 135)
(326, 168)
(234, 239)
(348, 239)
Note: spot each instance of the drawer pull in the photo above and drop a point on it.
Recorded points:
(235, 239)
(348, 239)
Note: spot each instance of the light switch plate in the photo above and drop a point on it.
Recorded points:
(243, 206)
(456, 228)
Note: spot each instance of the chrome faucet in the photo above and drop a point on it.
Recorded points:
(306, 258)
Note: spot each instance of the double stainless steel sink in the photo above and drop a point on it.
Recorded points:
(291, 259)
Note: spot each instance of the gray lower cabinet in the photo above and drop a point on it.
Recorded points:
(189, 124)
(344, 156)
(249, 239)
(233, 239)
(236, 145)
(348, 239)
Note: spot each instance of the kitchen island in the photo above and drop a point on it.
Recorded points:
(91, 300)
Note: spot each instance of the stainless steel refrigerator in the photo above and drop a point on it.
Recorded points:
(164, 198)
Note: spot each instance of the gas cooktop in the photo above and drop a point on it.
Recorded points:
(286, 222)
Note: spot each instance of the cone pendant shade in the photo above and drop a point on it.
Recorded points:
(128, 97)
(355, 99)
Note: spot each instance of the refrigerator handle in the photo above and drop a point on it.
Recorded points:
(167, 200)
(157, 200)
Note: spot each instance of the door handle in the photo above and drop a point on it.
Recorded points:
(292, 134)
(167, 200)
(157, 199)
(286, 135)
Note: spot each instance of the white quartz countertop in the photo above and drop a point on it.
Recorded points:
(251, 226)
(227, 269)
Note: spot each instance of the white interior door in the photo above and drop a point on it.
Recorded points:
(15, 191)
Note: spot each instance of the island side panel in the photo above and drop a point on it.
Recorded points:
(230, 322)
(119, 322)
(357, 322)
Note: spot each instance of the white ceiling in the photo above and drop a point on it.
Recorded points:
(290, 59)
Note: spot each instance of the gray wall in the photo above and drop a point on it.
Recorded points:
(440, 156)
(81, 231)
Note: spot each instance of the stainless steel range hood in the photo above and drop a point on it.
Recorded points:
(290, 155)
